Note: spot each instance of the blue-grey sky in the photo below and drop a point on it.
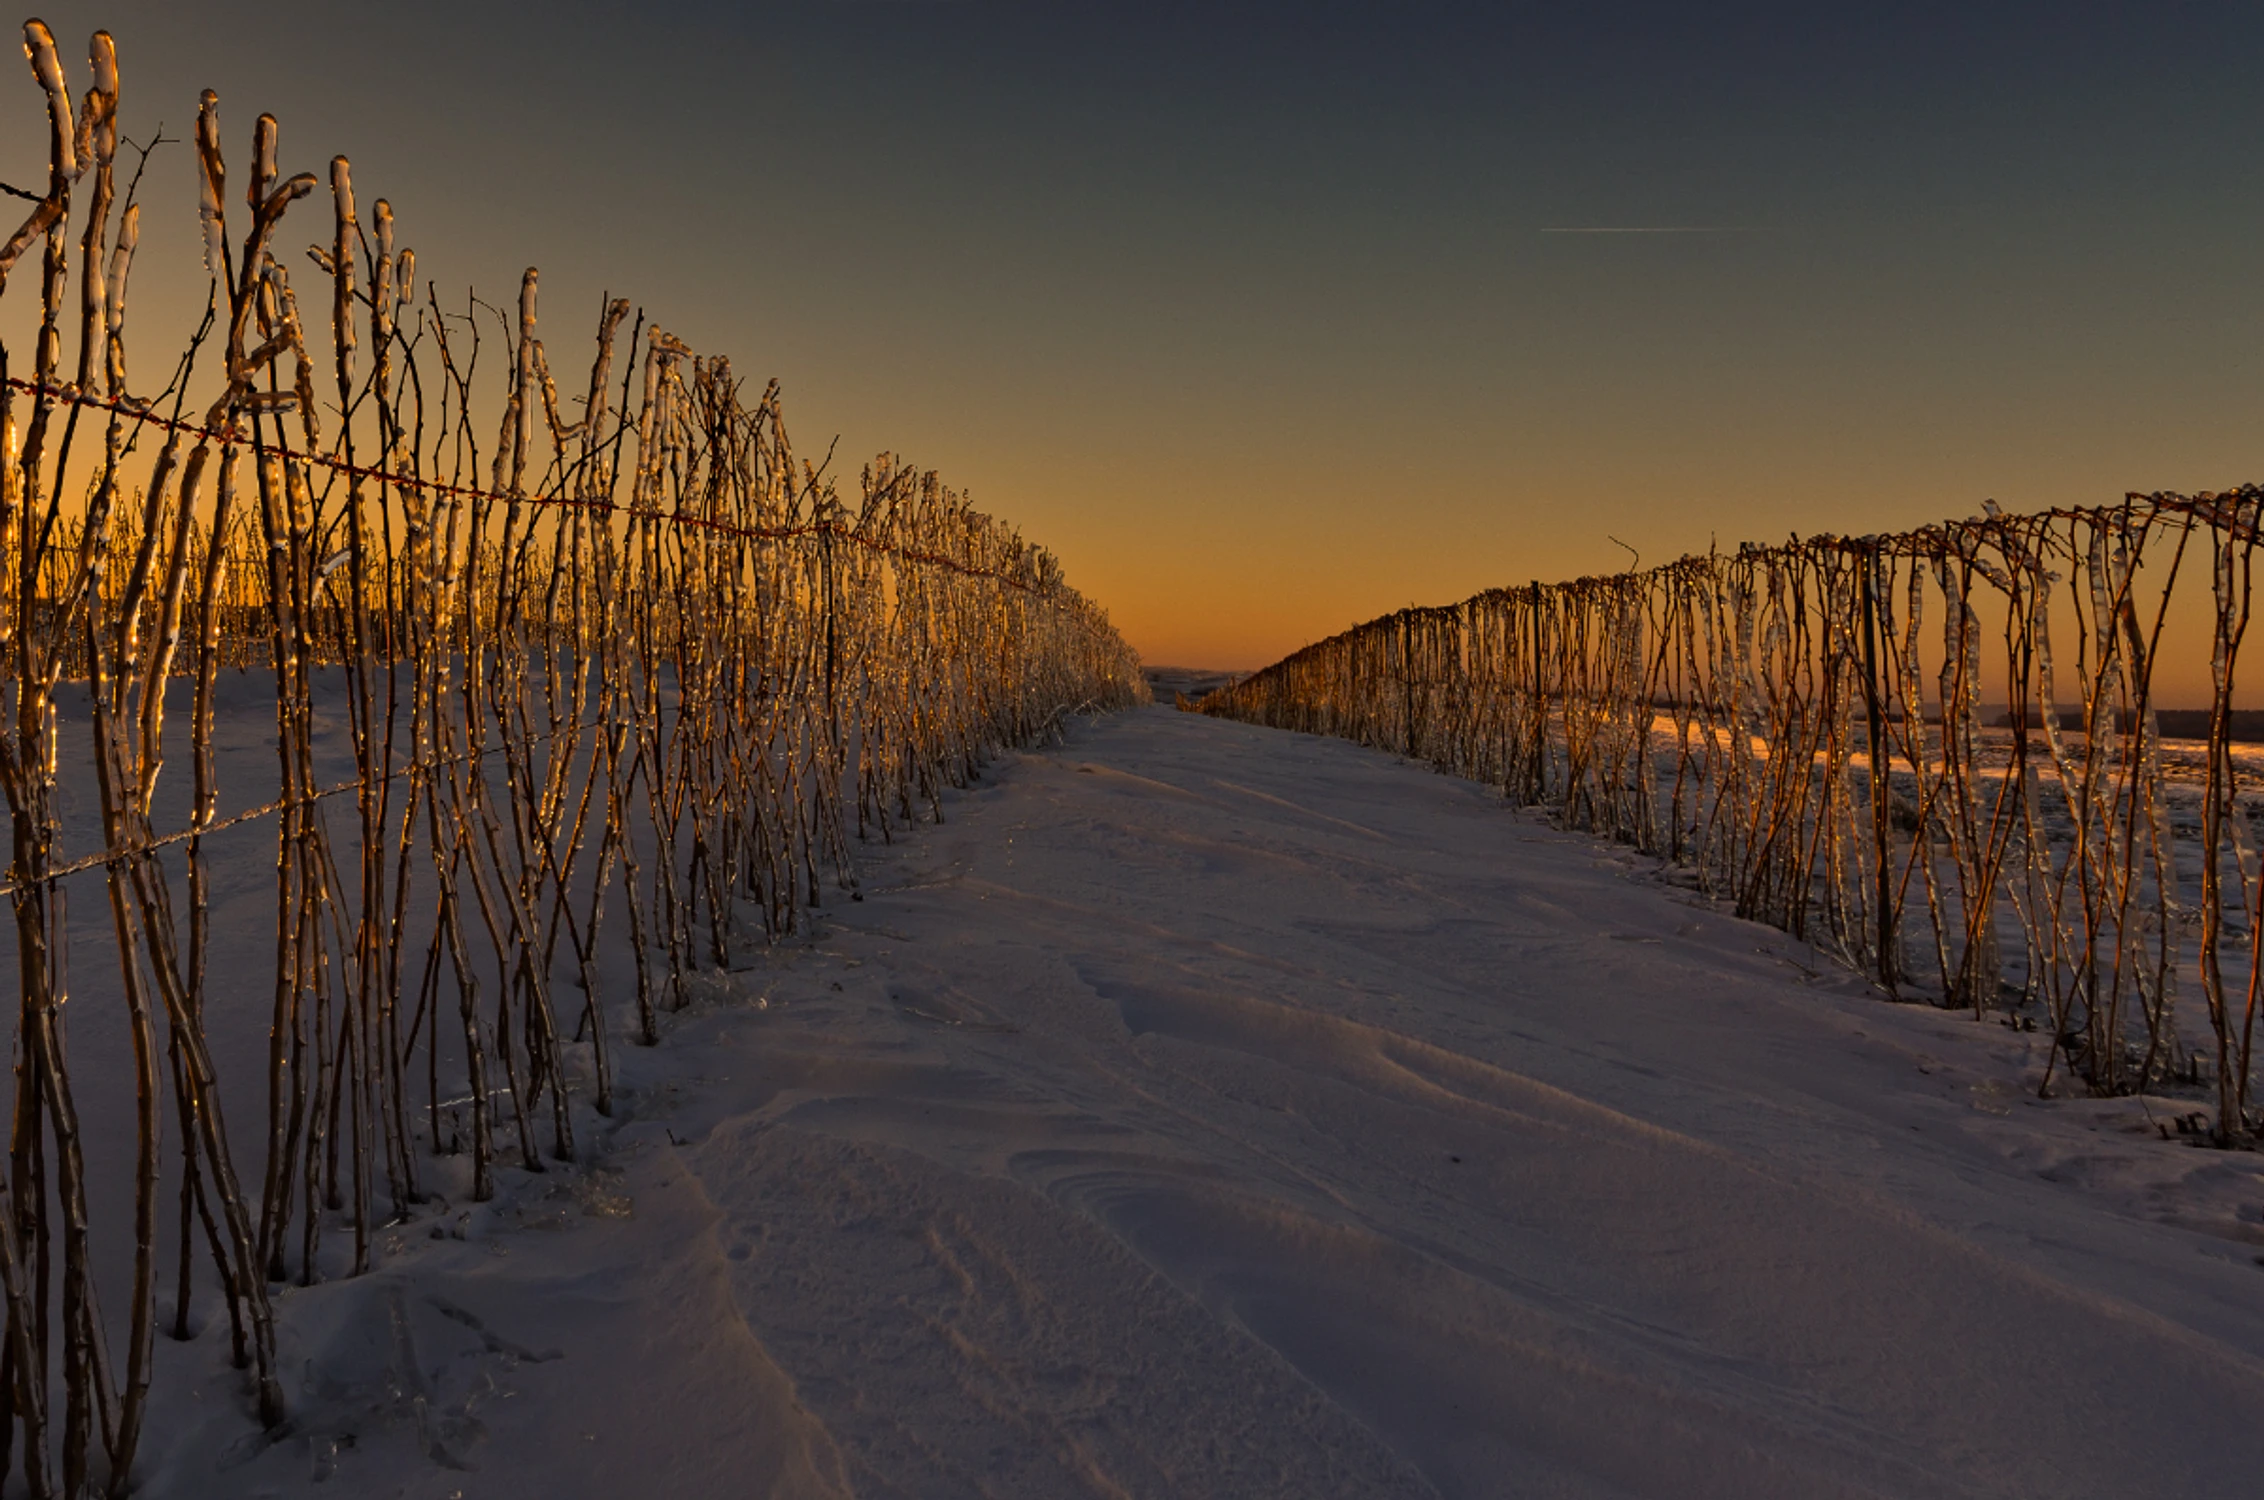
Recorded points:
(1256, 313)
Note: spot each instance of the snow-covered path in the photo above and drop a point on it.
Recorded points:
(1204, 1110)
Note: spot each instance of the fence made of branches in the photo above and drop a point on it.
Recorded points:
(591, 669)
(1938, 754)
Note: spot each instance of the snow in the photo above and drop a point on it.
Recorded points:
(1209, 1110)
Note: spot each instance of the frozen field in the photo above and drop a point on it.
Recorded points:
(1207, 1110)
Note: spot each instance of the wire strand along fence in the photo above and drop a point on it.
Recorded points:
(617, 653)
(2051, 855)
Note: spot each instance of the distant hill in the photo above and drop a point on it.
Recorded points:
(2176, 723)
(1193, 682)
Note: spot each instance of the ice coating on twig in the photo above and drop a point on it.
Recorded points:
(381, 272)
(47, 67)
(282, 309)
(114, 318)
(529, 355)
(99, 120)
(342, 267)
(264, 132)
(121, 262)
(211, 185)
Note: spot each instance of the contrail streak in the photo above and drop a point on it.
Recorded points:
(1657, 229)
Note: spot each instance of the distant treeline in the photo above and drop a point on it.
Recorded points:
(2243, 725)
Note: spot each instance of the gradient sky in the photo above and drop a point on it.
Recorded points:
(1254, 313)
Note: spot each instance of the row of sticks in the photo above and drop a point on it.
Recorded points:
(1970, 809)
(627, 676)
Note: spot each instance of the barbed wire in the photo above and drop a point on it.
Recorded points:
(150, 846)
(72, 396)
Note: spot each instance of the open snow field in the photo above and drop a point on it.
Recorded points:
(1205, 1110)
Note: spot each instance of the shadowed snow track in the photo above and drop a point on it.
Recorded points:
(1242, 1054)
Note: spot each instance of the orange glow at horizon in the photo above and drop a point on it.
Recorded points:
(1260, 318)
